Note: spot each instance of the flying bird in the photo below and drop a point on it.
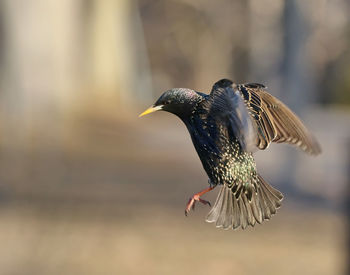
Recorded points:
(227, 127)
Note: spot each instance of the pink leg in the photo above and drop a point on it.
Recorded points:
(196, 197)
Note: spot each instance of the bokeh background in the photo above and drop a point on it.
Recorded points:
(88, 188)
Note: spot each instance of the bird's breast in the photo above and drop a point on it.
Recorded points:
(222, 157)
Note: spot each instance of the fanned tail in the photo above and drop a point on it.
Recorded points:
(234, 210)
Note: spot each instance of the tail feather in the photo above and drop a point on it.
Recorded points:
(243, 214)
(233, 212)
(216, 209)
(257, 212)
(247, 205)
(236, 219)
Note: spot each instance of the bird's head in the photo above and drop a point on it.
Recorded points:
(178, 101)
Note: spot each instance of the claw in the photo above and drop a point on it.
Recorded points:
(196, 197)
(192, 202)
(204, 201)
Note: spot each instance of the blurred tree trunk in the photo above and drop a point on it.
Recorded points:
(240, 39)
(39, 67)
(347, 209)
(48, 55)
(40, 45)
(265, 43)
(118, 69)
(297, 82)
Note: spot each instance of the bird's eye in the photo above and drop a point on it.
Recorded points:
(167, 102)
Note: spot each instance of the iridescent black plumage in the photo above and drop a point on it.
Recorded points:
(225, 127)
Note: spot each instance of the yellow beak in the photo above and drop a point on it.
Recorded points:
(151, 110)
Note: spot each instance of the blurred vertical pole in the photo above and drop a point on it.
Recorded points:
(265, 42)
(296, 81)
(347, 208)
(39, 72)
(119, 71)
(241, 37)
(38, 80)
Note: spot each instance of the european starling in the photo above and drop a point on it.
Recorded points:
(226, 127)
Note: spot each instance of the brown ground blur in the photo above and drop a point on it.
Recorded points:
(115, 239)
(102, 206)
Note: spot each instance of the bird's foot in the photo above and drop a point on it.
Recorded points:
(196, 197)
(192, 202)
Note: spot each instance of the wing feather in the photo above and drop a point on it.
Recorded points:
(229, 110)
(275, 121)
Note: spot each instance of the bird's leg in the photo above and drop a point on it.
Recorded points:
(196, 197)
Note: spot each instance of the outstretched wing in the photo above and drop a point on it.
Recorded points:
(275, 121)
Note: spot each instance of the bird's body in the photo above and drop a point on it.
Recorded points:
(219, 150)
(226, 127)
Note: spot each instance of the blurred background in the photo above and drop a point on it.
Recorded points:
(88, 188)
